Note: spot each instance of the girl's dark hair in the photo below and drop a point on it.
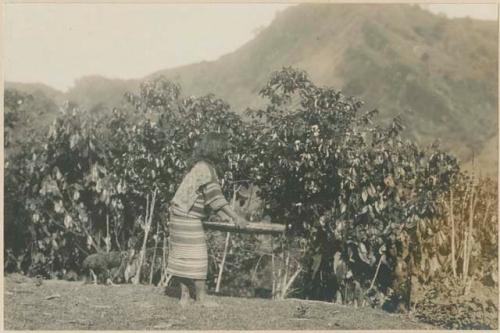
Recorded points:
(210, 148)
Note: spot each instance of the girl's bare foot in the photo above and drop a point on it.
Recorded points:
(201, 295)
(184, 302)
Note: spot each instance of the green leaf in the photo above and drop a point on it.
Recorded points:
(339, 266)
(343, 208)
(68, 221)
(58, 207)
(364, 195)
(73, 141)
(363, 253)
(316, 264)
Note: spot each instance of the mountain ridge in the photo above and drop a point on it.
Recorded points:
(440, 74)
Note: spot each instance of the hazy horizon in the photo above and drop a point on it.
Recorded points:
(128, 41)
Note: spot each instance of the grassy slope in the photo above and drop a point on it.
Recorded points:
(129, 307)
(441, 74)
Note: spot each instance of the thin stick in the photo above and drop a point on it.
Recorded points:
(285, 278)
(470, 190)
(464, 252)
(486, 211)
(452, 221)
(164, 250)
(468, 244)
(376, 272)
(250, 197)
(261, 228)
(273, 269)
(164, 261)
(290, 282)
(311, 301)
(147, 224)
(136, 278)
(226, 245)
(221, 269)
(464, 200)
(470, 234)
(254, 274)
(107, 240)
(154, 255)
(117, 231)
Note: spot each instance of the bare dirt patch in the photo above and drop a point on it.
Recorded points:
(62, 305)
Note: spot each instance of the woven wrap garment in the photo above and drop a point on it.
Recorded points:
(187, 244)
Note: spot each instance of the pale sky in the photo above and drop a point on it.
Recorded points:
(479, 11)
(58, 43)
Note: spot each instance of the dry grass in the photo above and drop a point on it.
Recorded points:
(62, 305)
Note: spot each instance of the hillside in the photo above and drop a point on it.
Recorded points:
(37, 90)
(37, 107)
(440, 73)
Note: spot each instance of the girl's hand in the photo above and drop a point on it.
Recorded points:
(240, 222)
(224, 216)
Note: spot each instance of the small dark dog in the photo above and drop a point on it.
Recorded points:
(106, 267)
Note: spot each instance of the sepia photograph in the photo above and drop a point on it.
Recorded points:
(250, 166)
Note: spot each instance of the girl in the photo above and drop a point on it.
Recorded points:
(200, 189)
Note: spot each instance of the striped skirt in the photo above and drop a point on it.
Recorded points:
(187, 255)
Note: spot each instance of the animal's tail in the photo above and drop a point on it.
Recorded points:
(85, 271)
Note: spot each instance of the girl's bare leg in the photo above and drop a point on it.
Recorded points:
(184, 292)
(201, 294)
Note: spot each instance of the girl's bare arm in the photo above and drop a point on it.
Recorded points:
(227, 213)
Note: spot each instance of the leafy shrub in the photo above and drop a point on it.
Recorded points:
(354, 194)
(347, 187)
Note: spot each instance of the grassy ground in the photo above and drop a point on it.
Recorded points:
(63, 305)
